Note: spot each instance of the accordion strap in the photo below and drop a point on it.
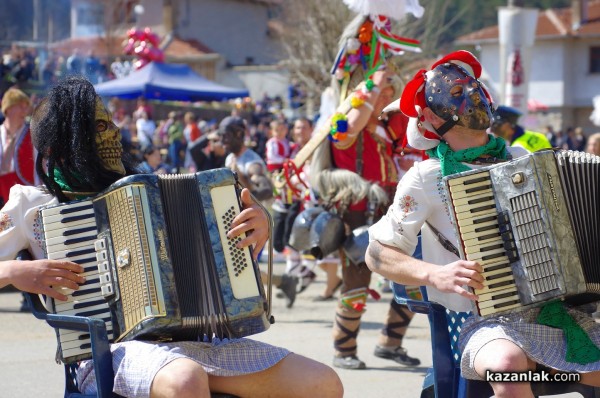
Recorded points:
(446, 244)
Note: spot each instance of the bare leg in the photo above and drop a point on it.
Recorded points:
(333, 280)
(591, 379)
(181, 378)
(293, 377)
(504, 356)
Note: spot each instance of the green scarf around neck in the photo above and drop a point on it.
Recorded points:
(452, 162)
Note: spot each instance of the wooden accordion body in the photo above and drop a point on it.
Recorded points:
(533, 223)
(157, 260)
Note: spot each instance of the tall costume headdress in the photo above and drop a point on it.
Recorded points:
(365, 46)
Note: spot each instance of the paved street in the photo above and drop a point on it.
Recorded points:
(28, 367)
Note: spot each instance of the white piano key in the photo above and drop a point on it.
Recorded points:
(57, 229)
(470, 208)
(468, 217)
(490, 296)
(63, 218)
(469, 199)
(66, 207)
(61, 240)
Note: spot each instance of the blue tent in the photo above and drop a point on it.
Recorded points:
(167, 82)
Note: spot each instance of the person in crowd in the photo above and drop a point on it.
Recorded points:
(17, 162)
(79, 155)
(74, 63)
(252, 173)
(505, 125)
(576, 139)
(152, 163)
(208, 152)
(302, 131)
(456, 140)
(278, 146)
(191, 132)
(176, 140)
(593, 144)
(145, 128)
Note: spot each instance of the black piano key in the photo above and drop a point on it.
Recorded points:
(476, 180)
(496, 267)
(81, 252)
(79, 240)
(477, 189)
(492, 247)
(501, 305)
(493, 256)
(503, 295)
(83, 292)
(500, 284)
(76, 231)
(73, 209)
(485, 219)
(77, 306)
(76, 218)
(482, 208)
(84, 261)
(480, 200)
(498, 276)
(92, 312)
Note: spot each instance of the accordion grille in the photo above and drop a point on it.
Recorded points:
(535, 250)
(131, 248)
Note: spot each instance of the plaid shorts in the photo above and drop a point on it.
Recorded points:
(543, 344)
(135, 363)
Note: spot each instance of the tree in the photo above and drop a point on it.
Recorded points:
(310, 41)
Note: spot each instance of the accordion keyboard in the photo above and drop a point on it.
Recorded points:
(479, 226)
(70, 233)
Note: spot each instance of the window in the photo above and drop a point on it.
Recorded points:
(595, 60)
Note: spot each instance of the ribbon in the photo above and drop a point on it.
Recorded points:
(580, 348)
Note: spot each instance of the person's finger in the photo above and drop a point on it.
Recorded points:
(68, 265)
(465, 293)
(63, 283)
(48, 291)
(66, 274)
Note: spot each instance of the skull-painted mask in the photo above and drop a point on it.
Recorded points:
(108, 140)
(452, 93)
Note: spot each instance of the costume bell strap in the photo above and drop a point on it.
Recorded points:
(580, 348)
(452, 162)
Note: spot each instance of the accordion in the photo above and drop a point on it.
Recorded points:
(533, 224)
(157, 261)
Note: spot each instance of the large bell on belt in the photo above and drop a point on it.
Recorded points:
(299, 237)
(356, 245)
(327, 234)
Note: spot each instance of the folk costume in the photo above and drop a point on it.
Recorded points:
(355, 175)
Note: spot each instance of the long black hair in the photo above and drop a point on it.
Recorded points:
(63, 130)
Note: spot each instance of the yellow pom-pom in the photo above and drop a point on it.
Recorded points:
(356, 101)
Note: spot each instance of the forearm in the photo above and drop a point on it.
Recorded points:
(397, 266)
(5, 278)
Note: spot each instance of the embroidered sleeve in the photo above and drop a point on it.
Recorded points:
(405, 217)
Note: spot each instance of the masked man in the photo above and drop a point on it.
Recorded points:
(451, 111)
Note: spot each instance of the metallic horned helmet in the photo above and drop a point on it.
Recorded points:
(457, 97)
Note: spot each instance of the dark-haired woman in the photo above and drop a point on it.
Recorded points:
(80, 154)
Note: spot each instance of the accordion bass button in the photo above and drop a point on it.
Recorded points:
(518, 178)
